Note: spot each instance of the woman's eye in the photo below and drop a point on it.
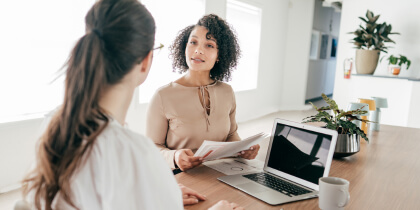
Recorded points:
(192, 42)
(211, 46)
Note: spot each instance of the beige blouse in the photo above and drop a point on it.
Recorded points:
(176, 119)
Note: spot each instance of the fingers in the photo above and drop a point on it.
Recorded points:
(236, 206)
(190, 201)
(190, 196)
(185, 159)
(181, 160)
(256, 147)
(251, 153)
(223, 204)
(200, 197)
(184, 165)
(189, 152)
(192, 193)
(194, 159)
(191, 162)
(248, 155)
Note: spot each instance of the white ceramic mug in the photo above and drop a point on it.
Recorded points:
(333, 193)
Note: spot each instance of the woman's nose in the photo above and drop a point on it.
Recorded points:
(199, 50)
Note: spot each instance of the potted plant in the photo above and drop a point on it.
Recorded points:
(369, 42)
(395, 63)
(348, 141)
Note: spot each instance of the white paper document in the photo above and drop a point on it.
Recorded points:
(212, 150)
(232, 166)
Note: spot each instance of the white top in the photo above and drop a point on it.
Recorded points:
(124, 171)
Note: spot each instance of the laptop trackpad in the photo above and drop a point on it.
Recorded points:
(252, 187)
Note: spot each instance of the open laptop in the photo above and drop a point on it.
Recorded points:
(298, 155)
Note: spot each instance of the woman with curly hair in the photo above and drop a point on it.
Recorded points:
(198, 106)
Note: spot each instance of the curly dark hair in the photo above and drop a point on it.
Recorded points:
(226, 40)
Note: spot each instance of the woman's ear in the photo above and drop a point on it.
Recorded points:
(145, 67)
(147, 62)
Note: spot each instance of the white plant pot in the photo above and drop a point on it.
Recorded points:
(366, 61)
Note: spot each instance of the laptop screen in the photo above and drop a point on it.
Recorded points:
(299, 152)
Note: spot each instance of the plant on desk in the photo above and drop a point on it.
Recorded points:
(395, 63)
(348, 142)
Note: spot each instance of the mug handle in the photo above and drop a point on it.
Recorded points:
(347, 198)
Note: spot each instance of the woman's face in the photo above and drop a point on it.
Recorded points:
(201, 53)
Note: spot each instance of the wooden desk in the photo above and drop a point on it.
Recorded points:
(383, 175)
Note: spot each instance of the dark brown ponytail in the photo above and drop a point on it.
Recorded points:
(120, 34)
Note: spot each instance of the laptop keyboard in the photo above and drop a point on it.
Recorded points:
(274, 183)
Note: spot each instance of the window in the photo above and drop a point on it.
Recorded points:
(246, 20)
(36, 39)
(170, 17)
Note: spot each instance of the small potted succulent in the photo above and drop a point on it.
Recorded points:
(348, 142)
(395, 63)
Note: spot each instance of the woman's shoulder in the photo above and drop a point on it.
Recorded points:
(224, 86)
(169, 88)
(116, 136)
(164, 88)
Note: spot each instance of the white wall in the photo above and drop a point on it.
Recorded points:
(403, 16)
(17, 149)
(321, 72)
(281, 82)
(413, 118)
(295, 71)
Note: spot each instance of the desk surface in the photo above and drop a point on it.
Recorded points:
(383, 175)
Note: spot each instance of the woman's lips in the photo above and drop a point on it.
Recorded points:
(197, 60)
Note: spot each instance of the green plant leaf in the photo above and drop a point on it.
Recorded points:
(361, 134)
(369, 15)
(372, 35)
(374, 19)
(349, 127)
(340, 121)
(393, 60)
(324, 108)
(330, 102)
(380, 60)
(331, 126)
(313, 106)
(363, 19)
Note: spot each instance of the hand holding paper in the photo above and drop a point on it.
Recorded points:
(211, 150)
(250, 153)
(184, 159)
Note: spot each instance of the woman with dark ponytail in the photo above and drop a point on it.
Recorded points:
(87, 159)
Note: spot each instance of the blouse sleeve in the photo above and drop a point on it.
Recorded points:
(233, 134)
(157, 128)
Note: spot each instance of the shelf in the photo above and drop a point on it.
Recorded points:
(386, 76)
